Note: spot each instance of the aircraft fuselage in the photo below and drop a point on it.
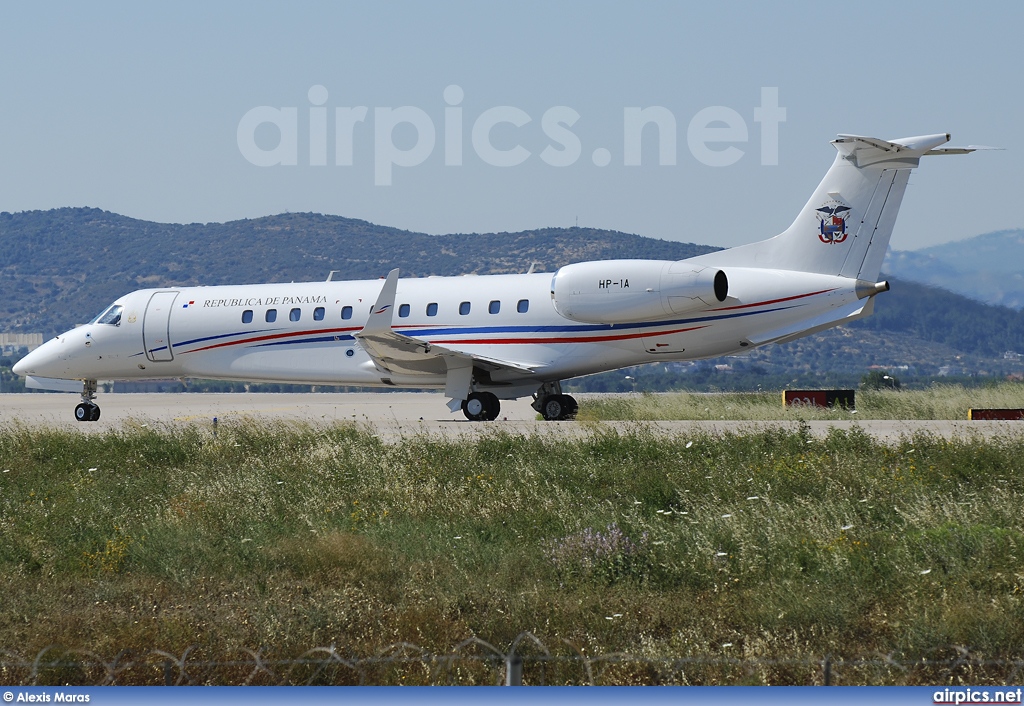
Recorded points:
(305, 332)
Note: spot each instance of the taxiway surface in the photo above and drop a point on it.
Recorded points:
(393, 416)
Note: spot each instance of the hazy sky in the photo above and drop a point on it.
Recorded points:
(142, 109)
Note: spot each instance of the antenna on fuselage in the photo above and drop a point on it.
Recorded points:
(330, 275)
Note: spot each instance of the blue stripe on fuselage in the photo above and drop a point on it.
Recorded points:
(491, 330)
(224, 335)
(582, 328)
(321, 339)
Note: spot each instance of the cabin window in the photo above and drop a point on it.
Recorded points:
(464, 308)
(432, 309)
(271, 316)
(247, 316)
(403, 310)
(494, 307)
(523, 306)
(318, 314)
(295, 314)
(346, 312)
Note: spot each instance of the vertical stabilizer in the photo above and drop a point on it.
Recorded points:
(844, 228)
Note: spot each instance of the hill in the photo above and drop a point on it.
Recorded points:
(988, 268)
(61, 266)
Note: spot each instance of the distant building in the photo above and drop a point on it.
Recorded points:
(11, 343)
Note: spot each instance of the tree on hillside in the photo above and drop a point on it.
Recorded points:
(879, 380)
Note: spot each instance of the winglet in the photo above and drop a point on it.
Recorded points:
(383, 309)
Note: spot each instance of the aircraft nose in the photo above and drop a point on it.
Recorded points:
(37, 362)
(19, 367)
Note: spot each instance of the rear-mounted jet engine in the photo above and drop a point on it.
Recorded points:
(623, 291)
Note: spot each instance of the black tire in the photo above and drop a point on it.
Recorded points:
(572, 407)
(554, 408)
(87, 412)
(475, 407)
(557, 408)
(492, 404)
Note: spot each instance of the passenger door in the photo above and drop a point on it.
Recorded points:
(156, 336)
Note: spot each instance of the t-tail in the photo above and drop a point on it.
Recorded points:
(844, 228)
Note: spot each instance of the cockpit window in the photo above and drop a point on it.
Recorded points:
(111, 315)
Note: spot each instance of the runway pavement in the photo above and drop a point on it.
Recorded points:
(393, 416)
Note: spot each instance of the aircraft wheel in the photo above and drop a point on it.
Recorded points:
(572, 407)
(559, 407)
(554, 408)
(87, 412)
(476, 406)
(492, 405)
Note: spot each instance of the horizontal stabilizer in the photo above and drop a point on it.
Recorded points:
(919, 144)
(961, 150)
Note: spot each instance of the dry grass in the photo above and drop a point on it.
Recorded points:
(935, 402)
(769, 545)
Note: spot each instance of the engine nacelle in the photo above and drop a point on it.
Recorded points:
(625, 291)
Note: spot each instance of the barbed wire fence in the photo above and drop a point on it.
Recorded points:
(528, 661)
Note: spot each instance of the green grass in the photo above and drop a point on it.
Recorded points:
(935, 402)
(289, 537)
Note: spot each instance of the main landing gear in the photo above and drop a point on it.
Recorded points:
(552, 404)
(548, 400)
(88, 411)
(481, 407)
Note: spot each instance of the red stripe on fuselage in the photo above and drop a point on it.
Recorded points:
(275, 336)
(774, 301)
(461, 341)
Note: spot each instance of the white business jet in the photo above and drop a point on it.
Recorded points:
(486, 338)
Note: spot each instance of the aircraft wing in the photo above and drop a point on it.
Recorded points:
(394, 352)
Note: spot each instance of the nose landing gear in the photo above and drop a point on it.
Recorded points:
(88, 411)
